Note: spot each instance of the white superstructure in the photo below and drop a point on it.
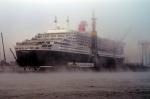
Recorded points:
(66, 40)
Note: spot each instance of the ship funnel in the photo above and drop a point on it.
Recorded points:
(82, 26)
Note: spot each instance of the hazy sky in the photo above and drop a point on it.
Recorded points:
(22, 19)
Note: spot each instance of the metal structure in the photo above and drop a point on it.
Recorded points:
(3, 47)
(120, 43)
(94, 48)
(13, 54)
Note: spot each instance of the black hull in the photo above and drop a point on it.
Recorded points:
(56, 58)
(46, 58)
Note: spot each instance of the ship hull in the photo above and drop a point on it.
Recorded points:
(37, 58)
(49, 58)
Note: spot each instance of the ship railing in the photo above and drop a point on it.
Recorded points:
(105, 54)
(73, 50)
(26, 47)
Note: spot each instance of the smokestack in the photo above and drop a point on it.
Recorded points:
(82, 26)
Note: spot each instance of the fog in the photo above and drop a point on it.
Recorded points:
(74, 85)
(23, 19)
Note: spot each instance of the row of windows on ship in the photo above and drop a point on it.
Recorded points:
(46, 44)
(54, 35)
(67, 47)
(64, 42)
(61, 44)
(59, 36)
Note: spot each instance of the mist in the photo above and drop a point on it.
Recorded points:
(23, 19)
(82, 85)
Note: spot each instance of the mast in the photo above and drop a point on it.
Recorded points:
(55, 21)
(67, 21)
(3, 47)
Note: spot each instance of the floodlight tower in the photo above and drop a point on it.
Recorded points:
(94, 49)
(3, 47)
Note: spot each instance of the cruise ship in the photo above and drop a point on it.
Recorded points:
(59, 46)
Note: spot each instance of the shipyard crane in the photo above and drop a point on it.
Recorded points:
(13, 54)
(120, 42)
